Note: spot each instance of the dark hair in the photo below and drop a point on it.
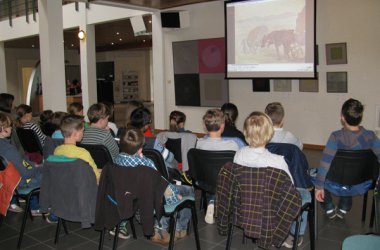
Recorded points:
(129, 108)
(57, 118)
(276, 112)
(213, 119)
(6, 101)
(22, 110)
(230, 112)
(111, 108)
(70, 123)
(97, 111)
(74, 108)
(46, 117)
(175, 118)
(131, 140)
(352, 111)
(140, 117)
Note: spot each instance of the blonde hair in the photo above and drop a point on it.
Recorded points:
(213, 119)
(258, 129)
(5, 121)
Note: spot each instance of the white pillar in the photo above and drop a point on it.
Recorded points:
(159, 89)
(87, 61)
(52, 55)
(3, 73)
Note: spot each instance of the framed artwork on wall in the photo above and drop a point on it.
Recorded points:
(336, 82)
(309, 85)
(336, 53)
(282, 85)
(260, 85)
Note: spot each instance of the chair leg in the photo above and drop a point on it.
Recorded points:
(101, 240)
(25, 217)
(172, 228)
(195, 225)
(116, 237)
(1, 219)
(297, 232)
(364, 209)
(229, 238)
(133, 228)
(57, 231)
(315, 215)
(311, 219)
(372, 218)
(65, 227)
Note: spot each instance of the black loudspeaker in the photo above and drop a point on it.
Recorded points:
(175, 19)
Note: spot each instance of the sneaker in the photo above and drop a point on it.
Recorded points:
(36, 212)
(123, 233)
(341, 213)
(179, 234)
(161, 236)
(288, 243)
(331, 214)
(15, 208)
(209, 218)
(51, 219)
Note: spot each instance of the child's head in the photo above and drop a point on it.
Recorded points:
(6, 102)
(24, 114)
(177, 120)
(276, 112)
(111, 109)
(46, 116)
(5, 126)
(130, 107)
(56, 120)
(131, 141)
(230, 112)
(75, 108)
(72, 127)
(98, 114)
(352, 112)
(214, 120)
(258, 129)
(141, 119)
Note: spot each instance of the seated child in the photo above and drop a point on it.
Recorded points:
(72, 129)
(258, 131)
(56, 121)
(276, 112)
(351, 137)
(214, 122)
(45, 122)
(231, 113)
(76, 108)
(30, 174)
(177, 121)
(97, 133)
(131, 146)
(24, 118)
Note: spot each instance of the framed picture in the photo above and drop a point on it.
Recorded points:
(336, 82)
(377, 125)
(282, 85)
(260, 85)
(336, 53)
(309, 85)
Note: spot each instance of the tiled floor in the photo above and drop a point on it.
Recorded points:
(39, 235)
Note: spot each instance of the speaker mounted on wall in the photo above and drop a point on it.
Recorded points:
(175, 19)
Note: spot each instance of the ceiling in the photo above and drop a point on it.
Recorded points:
(116, 35)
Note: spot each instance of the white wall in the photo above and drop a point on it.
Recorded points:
(311, 116)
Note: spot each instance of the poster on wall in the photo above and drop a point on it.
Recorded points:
(199, 68)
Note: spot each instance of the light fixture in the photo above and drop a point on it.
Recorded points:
(120, 39)
(117, 33)
(81, 35)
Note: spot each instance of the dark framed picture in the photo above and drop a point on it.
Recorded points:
(260, 85)
(336, 53)
(336, 82)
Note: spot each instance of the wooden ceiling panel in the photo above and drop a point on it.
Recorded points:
(154, 4)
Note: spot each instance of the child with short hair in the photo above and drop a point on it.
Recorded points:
(351, 137)
(76, 108)
(72, 129)
(276, 112)
(177, 121)
(131, 146)
(56, 121)
(97, 133)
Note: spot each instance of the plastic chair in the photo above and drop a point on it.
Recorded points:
(204, 167)
(173, 210)
(99, 153)
(352, 167)
(174, 146)
(169, 174)
(29, 140)
(67, 183)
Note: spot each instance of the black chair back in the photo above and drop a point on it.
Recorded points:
(205, 165)
(3, 163)
(174, 146)
(351, 167)
(99, 153)
(29, 140)
(376, 196)
(158, 161)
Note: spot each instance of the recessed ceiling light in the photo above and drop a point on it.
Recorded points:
(72, 45)
(117, 33)
(144, 40)
(32, 45)
(150, 21)
(112, 43)
(120, 39)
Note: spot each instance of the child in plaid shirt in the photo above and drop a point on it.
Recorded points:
(131, 143)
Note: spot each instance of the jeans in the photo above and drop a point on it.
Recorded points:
(184, 215)
(345, 202)
(305, 197)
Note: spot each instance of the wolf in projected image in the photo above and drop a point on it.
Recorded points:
(275, 37)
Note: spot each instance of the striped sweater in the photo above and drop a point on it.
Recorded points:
(348, 140)
(35, 128)
(98, 136)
